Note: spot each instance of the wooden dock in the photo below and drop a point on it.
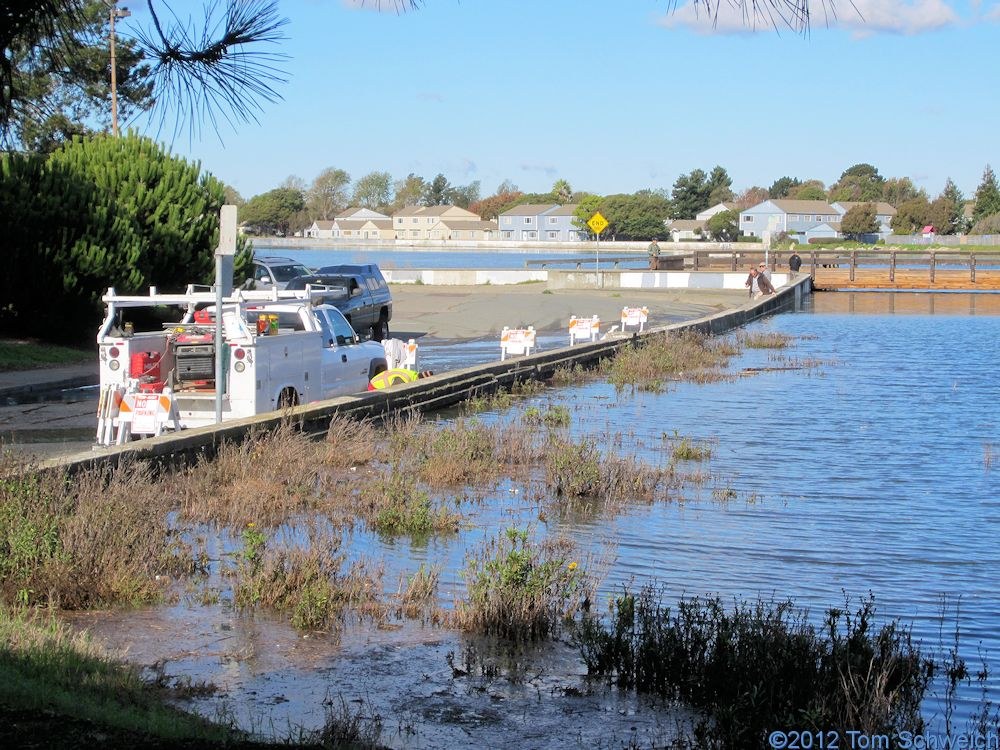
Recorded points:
(945, 270)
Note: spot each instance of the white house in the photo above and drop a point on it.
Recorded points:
(718, 208)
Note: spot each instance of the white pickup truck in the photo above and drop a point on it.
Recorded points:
(279, 350)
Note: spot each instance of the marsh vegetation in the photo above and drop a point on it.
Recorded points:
(272, 525)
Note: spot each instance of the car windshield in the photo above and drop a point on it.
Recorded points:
(289, 272)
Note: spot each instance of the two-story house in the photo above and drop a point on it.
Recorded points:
(463, 229)
(794, 217)
(416, 222)
(559, 225)
(540, 222)
(523, 223)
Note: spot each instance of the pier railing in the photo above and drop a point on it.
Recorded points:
(830, 268)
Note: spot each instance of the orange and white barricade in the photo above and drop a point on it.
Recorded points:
(583, 329)
(410, 359)
(634, 316)
(145, 414)
(400, 354)
(514, 341)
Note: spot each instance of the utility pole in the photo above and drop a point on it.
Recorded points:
(116, 12)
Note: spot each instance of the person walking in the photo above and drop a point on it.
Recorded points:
(751, 283)
(654, 255)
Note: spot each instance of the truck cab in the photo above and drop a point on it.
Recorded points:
(362, 295)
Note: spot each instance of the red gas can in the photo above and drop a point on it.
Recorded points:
(145, 364)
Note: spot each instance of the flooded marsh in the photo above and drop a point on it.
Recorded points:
(859, 460)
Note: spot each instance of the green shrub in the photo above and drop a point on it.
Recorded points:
(519, 588)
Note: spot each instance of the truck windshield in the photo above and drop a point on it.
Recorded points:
(289, 272)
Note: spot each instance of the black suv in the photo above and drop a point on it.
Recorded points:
(366, 301)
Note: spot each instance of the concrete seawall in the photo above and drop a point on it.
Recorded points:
(576, 279)
(440, 391)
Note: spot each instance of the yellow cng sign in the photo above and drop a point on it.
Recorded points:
(597, 223)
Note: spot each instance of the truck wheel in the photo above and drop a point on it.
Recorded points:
(380, 330)
(288, 398)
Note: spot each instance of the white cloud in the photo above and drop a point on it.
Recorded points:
(862, 17)
(993, 14)
(896, 17)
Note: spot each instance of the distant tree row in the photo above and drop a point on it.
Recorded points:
(294, 205)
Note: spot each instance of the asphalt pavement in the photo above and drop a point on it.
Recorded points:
(19, 383)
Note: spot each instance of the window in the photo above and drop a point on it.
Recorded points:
(748, 219)
(507, 220)
(399, 220)
(553, 235)
(507, 234)
(793, 217)
(527, 219)
(553, 220)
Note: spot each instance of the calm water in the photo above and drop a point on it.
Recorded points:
(873, 472)
(458, 258)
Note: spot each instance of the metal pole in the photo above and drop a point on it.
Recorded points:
(116, 12)
(218, 339)
(226, 249)
(114, 76)
(597, 263)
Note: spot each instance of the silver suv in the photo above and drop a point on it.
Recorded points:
(271, 271)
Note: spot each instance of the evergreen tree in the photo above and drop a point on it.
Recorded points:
(101, 212)
(782, 186)
(987, 196)
(956, 219)
(438, 192)
(691, 194)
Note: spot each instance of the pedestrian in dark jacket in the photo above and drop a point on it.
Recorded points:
(758, 284)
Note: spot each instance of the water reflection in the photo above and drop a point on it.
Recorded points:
(910, 303)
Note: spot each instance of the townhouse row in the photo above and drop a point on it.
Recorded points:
(799, 219)
(540, 222)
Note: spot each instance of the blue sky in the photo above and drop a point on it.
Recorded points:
(618, 96)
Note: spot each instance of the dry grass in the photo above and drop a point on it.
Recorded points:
(102, 538)
(686, 449)
(392, 504)
(764, 339)
(265, 479)
(671, 357)
(419, 591)
(307, 580)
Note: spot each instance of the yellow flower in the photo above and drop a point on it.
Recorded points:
(572, 566)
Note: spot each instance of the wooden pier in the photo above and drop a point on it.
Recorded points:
(944, 270)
